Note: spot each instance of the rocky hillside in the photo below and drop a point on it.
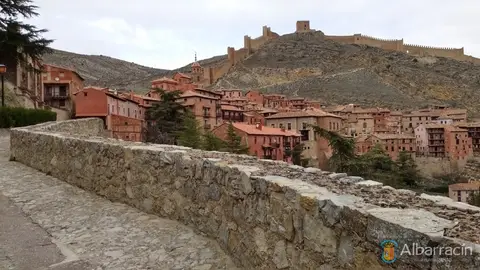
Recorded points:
(307, 65)
(102, 70)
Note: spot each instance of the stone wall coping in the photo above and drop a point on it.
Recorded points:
(403, 213)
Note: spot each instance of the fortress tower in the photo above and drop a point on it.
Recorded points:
(303, 26)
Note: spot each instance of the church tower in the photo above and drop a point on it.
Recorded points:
(197, 71)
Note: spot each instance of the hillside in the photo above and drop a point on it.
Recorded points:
(102, 70)
(307, 65)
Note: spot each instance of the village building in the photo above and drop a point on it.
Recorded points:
(394, 122)
(460, 192)
(58, 86)
(263, 142)
(255, 97)
(393, 144)
(275, 101)
(316, 148)
(473, 129)
(444, 141)
(205, 106)
(232, 114)
(413, 119)
(253, 116)
(123, 117)
(231, 93)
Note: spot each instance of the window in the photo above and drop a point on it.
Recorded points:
(289, 126)
(273, 125)
(304, 125)
(85, 94)
(61, 103)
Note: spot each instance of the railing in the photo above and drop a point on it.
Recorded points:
(60, 96)
(275, 145)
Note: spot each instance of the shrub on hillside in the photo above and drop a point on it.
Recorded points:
(20, 117)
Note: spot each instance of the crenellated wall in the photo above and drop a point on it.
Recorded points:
(433, 51)
(265, 214)
(212, 74)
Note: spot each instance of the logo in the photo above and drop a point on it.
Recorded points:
(388, 254)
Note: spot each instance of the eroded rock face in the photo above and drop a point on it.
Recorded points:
(267, 215)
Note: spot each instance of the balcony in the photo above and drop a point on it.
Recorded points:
(56, 96)
(275, 145)
(267, 157)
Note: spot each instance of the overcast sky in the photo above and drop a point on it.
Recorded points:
(165, 34)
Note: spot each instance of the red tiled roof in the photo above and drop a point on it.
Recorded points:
(208, 91)
(452, 128)
(472, 186)
(231, 108)
(68, 69)
(467, 124)
(183, 75)
(386, 136)
(191, 93)
(303, 113)
(253, 130)
(165, 79)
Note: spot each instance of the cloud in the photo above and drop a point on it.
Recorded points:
(164, 33)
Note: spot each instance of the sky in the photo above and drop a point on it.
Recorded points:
(166, 34)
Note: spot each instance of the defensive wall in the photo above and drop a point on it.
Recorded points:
(265, 214)
(394, 45)
(213, 73)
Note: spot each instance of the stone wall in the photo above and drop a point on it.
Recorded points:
(267, 215)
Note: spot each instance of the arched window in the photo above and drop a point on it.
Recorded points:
(364, 125)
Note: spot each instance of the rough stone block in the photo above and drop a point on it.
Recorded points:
(266, 214)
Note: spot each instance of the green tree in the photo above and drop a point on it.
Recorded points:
(343, 149)
(407, 169)
(474, 198)
(212, 142)
(165, 119)
(191, 133)
(233, 142)
(297, 155)
(20, 41)
(377, 164)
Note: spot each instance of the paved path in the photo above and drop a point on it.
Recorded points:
(48, 224)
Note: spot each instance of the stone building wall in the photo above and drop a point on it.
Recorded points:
(267, 215)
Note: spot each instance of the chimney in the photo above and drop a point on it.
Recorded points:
(258, 125)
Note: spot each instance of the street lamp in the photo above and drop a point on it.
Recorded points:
(3, 70)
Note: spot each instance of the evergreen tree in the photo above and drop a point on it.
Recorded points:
(296, 154)
(377, 164)
(233, 142)
(343, 150)
(474, 198)
(191, 134)
(20, 41)
(165, 119)
(212, 142)
(407, 169)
